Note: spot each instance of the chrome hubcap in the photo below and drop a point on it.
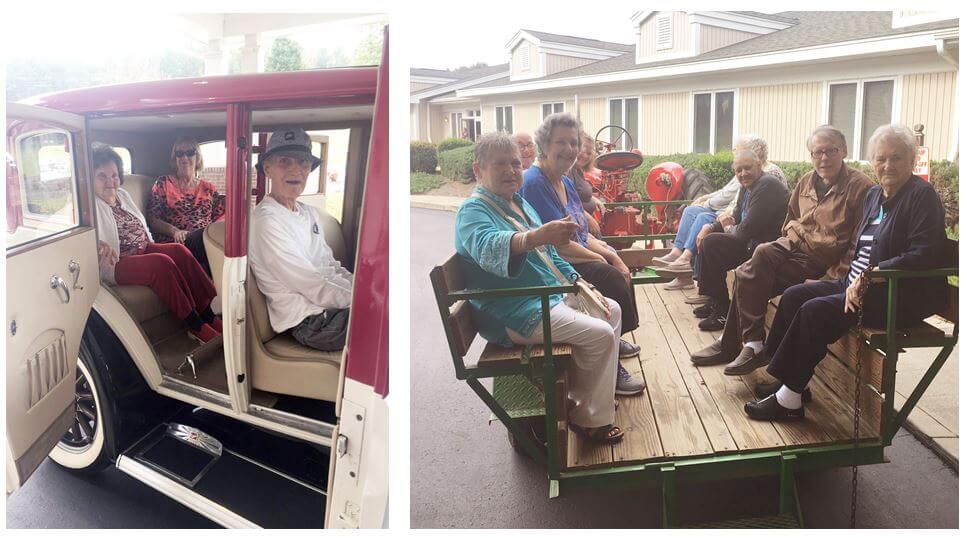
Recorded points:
(81, 433)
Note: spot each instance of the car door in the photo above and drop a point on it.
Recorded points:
(52, 278)
(359, 479)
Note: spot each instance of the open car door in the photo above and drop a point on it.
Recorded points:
(52, 279)
(359, 477)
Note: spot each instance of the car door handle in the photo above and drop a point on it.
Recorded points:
(58, 282)
(75, 269)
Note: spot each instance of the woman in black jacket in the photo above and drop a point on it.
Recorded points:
(902, 228)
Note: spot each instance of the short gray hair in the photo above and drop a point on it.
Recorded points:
(893, 130)
(490, 144)
(747, 153)
(542, 136)
(830, 132)
(756, 144)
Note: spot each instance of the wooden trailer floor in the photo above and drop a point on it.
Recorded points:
(690, 411)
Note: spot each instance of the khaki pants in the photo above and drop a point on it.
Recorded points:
(594, 348)
(773, 267)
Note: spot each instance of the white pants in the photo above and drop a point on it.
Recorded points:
(594, 348)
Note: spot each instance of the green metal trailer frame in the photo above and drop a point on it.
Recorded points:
(510, 406)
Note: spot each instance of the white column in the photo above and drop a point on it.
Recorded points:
(250, 54)
(215, 58)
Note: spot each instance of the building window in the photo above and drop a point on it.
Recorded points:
(663, 32)
(125, 155)
(713, 121)
(551, 108)
(456, 124)
(505, 118)
(624, 112)
(857, 109)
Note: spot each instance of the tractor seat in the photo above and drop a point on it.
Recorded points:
(277, 362)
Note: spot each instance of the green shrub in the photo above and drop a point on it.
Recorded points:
(422, 157)
(421, 182)
(457, 164)
(718, 167)
(452, 143)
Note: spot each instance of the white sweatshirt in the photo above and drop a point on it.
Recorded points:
(107, 227)
(293, 265)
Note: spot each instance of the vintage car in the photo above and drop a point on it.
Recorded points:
(250, 429)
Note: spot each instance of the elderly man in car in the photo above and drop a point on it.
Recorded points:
(306, 289)
(823, 212)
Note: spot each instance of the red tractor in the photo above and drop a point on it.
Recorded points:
(664, 182)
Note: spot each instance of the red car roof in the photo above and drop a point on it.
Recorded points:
(351, 85)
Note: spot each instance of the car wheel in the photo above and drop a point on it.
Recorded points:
(88, 445)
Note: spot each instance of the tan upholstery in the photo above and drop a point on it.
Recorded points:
(139, 187)
(278, 363)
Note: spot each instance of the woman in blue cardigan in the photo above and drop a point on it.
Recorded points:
(902, 228)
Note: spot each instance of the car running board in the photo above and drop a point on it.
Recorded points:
(235, 491)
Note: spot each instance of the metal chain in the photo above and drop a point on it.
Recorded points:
(864, 276)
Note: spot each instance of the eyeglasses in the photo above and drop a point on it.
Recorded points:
(186, 153)
(831, 152)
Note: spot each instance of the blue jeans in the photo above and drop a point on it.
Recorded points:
(693, 218)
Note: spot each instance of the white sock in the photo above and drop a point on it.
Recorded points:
(788, 398)
(756, 346)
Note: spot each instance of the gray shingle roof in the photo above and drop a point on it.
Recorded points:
(811, 28)
(422, 72)
(462, 75)
(580, 41)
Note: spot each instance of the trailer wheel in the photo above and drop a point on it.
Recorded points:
(534, 429)
(87, 446)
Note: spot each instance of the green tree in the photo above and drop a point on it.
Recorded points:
(179, 65)
(370, 50)
(330, 58)
(473, 66)
(286, 55)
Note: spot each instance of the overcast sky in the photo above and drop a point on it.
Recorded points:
(463, 39)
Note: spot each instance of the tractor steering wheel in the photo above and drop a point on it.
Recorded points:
(608, 146)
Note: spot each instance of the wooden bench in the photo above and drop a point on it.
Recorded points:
(875, 351)
(521, 376)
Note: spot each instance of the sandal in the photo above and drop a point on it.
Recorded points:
(603, 434)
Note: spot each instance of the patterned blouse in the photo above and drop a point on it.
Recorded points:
(186, 210)
(132, 237)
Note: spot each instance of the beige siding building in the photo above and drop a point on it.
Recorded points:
(694, 81)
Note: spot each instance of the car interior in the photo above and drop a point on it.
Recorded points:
(285, 376)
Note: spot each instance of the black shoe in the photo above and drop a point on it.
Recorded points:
(769, 409)
(715, 322)
(764, 390)
(704, 311)
(627, 350)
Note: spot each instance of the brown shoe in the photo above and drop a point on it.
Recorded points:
(747, 362)
(713, 354)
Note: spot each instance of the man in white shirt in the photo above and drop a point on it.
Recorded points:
(306, 289)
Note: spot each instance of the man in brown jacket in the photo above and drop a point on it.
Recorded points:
(823, 213)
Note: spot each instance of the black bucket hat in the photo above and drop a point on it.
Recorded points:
(291, 142)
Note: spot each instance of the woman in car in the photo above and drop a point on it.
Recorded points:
(505, 245)
(182, 205)
(902, 227)
(128, 256)
(553, 196)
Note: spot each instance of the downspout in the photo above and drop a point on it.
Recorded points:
(577, 106)
(954, 152)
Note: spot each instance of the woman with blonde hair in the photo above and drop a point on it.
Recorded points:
(182, 204)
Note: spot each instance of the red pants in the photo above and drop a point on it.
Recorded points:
(173, 273)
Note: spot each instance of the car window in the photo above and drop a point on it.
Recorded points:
(41, 187)
(125, 155)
